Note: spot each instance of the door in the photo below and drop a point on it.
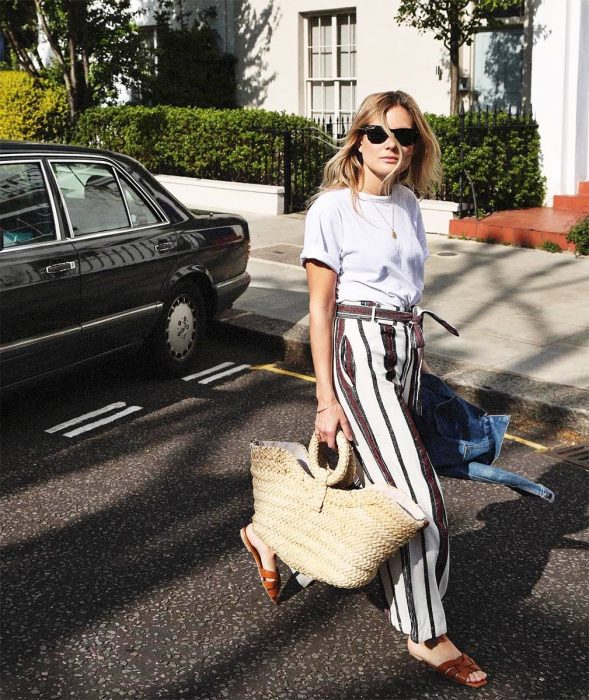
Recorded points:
(126, 251)
(39, 278)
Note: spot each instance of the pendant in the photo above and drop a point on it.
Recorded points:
(393, 234)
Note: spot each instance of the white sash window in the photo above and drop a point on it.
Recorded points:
(330, 66)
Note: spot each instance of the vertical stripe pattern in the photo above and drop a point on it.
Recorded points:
(374, 372)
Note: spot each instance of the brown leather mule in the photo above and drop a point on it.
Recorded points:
(270, 579)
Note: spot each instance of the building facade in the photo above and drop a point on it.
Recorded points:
(319, 58)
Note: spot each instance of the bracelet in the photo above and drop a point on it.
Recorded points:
(325, 409)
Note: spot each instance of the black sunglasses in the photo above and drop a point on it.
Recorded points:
(376, 134)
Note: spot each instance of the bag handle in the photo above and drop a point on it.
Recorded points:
(319, 465)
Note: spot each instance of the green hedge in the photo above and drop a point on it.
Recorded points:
(579, 235)
(247, 145)
(31, 111)
(503, 160)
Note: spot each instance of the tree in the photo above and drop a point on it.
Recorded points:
(454, 23)
(93, 46)
(189, 69)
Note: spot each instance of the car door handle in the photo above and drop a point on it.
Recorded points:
(163, 246)
(60, 267)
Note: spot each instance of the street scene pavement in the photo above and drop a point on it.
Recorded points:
(123, 571)
(124, 575)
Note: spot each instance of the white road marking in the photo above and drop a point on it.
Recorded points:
(226, 373)
(104, 421)
(81, 419)
(207, 371)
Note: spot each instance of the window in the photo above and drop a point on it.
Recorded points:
(25, 209)
(499, 61)
(331, 66)
(141, 213)
(92, 197)
(498, 68)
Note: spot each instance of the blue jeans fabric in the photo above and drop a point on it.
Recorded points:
(463, 441)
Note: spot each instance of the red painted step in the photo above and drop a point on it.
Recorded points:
(583, 187)
(572, 202)
(527, 227)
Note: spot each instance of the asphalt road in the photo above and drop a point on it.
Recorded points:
(124, 575)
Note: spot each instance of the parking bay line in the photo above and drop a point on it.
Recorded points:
(204, 372)
(103, 421)
(85, 416)
(277, 370)
(527, 443)
(309, 378)
(226, 373)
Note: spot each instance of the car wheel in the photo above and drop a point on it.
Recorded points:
(180, 329)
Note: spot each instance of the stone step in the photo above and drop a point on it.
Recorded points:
(525, 227)
(572, 202)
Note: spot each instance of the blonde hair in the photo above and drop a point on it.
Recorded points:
(345, 169)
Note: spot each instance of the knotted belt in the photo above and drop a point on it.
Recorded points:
(413, 318)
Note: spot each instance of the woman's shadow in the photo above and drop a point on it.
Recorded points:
(516, 585)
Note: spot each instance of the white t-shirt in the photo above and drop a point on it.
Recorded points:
(358, 245)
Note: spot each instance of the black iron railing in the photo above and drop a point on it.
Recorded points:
(295, 158)
(485, 135)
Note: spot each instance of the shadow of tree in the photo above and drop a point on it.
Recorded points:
(253, 34)
(488, 272)
(181, 526)
(65, 577)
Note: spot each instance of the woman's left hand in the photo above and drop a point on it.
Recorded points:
(327, 423)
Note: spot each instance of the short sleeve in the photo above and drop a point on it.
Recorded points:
(323, 232)
(420, 231)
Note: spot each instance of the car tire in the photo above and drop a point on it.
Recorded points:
(180, 329)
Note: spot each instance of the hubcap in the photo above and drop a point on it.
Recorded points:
(181, 326)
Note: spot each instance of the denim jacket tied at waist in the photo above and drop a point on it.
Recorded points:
(463, 441)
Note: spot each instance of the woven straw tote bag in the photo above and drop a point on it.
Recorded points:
(303, 512)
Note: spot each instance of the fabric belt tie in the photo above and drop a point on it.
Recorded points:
(413, 318)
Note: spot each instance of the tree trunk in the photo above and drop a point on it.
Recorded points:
(454, 78)
(21, 53)
(77, 23)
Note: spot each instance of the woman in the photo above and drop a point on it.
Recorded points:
(364, 255)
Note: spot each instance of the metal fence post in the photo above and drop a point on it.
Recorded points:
(287, 172)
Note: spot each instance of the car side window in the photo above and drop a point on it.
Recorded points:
(141, 213)
(92, 197)
(25, 209)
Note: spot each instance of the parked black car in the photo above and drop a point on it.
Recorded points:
(96, 256)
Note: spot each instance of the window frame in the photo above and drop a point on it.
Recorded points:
(335, 79)
(59, 233)
(164, 220)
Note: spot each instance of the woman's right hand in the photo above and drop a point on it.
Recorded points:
(327, 423)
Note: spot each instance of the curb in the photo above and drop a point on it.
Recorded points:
(559, 406)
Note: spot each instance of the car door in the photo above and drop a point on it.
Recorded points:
(39, 277)
(126, 250)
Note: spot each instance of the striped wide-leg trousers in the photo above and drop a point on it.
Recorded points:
(375, 373)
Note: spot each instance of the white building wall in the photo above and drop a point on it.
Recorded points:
(269, 45)
(397, 57)
(560, 92)
(268, 39)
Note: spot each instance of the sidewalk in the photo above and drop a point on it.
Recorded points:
(522, 316)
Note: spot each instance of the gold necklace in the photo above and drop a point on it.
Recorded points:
(390, 227)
